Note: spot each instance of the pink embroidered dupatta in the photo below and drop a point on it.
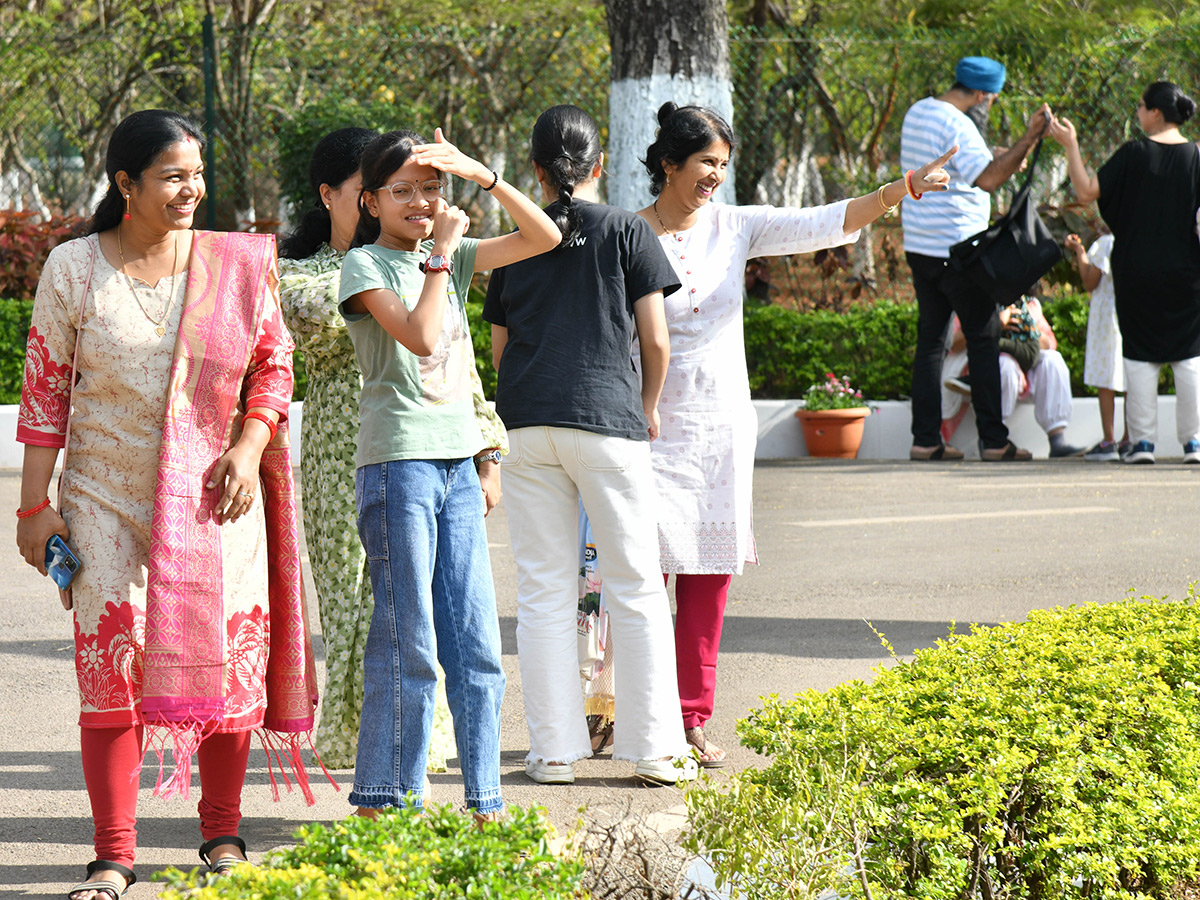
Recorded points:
(232, 345)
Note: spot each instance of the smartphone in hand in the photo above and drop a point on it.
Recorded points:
(61, 563)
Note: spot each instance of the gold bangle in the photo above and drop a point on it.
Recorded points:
(887, 210)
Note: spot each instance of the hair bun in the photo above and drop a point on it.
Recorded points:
(1185, 106)
(666, 111)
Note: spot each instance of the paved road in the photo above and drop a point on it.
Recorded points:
(906, 547)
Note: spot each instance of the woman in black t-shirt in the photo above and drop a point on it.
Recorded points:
(580, 422)
(1148, 193)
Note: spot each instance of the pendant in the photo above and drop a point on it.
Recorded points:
(160, 331)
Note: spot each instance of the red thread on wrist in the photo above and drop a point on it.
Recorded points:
(908, 186)
(33, 510)
(265, 419)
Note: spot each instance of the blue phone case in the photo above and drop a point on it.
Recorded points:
(61, 564)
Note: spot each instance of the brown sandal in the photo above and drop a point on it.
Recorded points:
(709, 756)
(600, 729)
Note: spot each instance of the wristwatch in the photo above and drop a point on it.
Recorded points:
(492, 455)
(438, 263)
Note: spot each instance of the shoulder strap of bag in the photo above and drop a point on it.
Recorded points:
(1037, 151)
(87, 288)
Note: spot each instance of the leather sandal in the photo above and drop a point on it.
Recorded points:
(222, 864)
(104, 885)
(941, 451)
(600, 730)
(1010, 452)
(708, 756)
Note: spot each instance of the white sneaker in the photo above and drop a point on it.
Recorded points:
(550, 773)
(667, 771)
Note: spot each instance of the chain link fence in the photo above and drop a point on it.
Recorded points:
(817, 113)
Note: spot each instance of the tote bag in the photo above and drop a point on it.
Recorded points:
(1005, 259)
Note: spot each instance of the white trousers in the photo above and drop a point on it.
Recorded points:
(546, 472)
(1049, 386)
(1141, 399)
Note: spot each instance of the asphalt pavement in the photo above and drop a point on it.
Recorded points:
(845, 546)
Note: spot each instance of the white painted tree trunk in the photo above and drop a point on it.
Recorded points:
(633, 120)
(793, 182)
(661, 50)
(493, 212)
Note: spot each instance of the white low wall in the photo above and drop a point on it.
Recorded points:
(888, 431)
(887, 434)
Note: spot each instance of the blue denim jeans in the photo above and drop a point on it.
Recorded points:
(421, 523)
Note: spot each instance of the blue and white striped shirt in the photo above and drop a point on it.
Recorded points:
(942, 218)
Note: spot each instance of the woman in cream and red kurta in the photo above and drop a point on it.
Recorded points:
(704, 455)
(176, 495)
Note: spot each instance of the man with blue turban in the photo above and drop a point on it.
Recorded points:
(938, 221)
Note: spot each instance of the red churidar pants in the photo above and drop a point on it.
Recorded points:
(699, 615)
(112, 764)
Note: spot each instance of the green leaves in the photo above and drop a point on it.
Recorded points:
(1054, 758)
(402, 856)
(788, 351)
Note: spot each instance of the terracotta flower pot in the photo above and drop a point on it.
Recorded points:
(833, 433)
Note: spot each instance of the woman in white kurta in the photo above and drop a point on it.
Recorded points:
(704, 456)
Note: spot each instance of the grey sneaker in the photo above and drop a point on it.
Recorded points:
(1103, 451)
(1064, 450)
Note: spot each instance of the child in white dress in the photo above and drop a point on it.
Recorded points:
(1103, 368)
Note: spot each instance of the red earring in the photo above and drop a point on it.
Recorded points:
(127, 215)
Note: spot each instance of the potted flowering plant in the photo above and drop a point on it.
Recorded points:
(832, 418)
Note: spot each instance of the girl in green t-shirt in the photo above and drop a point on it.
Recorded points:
(420, 503)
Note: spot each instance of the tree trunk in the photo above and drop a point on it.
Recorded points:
(661, 50)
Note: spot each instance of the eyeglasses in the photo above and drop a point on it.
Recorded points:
(403, 191)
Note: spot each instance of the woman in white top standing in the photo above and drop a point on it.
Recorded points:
(704, 456)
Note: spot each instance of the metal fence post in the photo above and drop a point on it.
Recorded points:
(210, 119)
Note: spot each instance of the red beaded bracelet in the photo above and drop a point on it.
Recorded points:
(33, 510)
(909, 187)
(265, 419)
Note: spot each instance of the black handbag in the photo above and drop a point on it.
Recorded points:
(1005, 259)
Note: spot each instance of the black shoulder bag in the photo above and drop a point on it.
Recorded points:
(1006, 258)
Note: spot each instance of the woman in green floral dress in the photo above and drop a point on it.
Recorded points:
(310, 268)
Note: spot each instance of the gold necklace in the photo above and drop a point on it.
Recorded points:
(661, 223)
(160, 325)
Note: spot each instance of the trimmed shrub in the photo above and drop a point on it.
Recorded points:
(481, 338)
(1067, 313)
(1057, 758)
(787, 351)
(14, 332)
(400, 856)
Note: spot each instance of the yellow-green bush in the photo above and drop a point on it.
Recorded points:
(1057, 758)
(400, 856)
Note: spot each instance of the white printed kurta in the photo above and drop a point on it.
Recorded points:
(704, 455)
(108, 488)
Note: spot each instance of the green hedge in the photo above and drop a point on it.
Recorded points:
(400, 856)
(1058, 758)
(14, 331)
(786, 351)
